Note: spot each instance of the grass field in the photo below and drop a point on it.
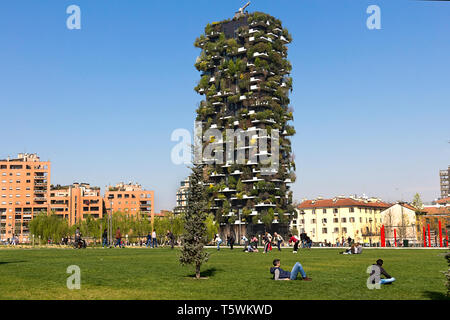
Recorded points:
(156, 274)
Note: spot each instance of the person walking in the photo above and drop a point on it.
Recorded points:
(118, 238)
(218, 240)
(171, 238)
(149, 240)
(105, 238)
(245, 240)
(279, 239)
(232, 240)
(154, 241)
(266, 241)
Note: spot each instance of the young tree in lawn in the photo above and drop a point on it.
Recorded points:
(194, 237)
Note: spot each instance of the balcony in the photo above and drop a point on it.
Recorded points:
(255, 179)
(258, 54)
(215, 174)
(261, 205)
(40, 199)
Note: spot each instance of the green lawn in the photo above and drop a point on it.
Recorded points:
(156, 274)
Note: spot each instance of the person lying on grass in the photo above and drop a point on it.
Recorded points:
(383, 272)
(280, 274)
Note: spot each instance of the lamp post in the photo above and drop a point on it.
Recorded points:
(239, 228)
(110, 224)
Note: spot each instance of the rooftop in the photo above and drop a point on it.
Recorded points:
(342, 202)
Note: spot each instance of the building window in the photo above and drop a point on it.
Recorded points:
(324, 211)
(352, 219)
(336, 230)
(335, 210)
(336, 220)
(344, 230)
(324, 220)
(352, 209)
(344, 220)
(324, 230)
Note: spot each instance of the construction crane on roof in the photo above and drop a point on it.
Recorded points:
(241, 12)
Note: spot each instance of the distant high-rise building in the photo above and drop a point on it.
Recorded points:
(245, 78)
(25, 187)
(445, 182)
(182, 193)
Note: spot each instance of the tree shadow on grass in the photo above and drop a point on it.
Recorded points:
(9, 262)
(206, 273)
(436, 295)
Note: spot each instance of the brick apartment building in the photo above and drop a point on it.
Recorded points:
(76, 202)
(25, 192)
(129, 199)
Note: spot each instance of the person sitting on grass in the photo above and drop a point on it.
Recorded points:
(280, 274)
(356, 248)
(388, 278)
(251, 248)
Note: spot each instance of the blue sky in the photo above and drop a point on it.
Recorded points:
(371, 106)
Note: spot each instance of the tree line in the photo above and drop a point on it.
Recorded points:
(52, 227)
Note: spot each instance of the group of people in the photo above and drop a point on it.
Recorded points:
(231, 240)
(13, 241)
(280, 274)
(151, 240)
(268, 242)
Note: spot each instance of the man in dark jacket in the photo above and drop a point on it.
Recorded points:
(232, 240)
(118, 238)
(388, 279)
(105, 238)
(171, 238)
(280, 274)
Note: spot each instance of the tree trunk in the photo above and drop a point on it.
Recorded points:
(197, 271)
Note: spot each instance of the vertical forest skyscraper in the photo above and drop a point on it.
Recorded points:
(245, 78)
